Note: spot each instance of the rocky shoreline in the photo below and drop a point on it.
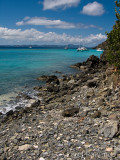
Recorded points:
(74, 117)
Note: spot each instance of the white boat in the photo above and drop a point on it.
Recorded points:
(82, 49)
(66, 47)
(30, 47)
(99, 49)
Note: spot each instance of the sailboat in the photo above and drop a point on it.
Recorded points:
(81, 49)
(66, 47)
(99, 49)
(30, 46)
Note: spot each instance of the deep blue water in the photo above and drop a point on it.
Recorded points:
(21, 67)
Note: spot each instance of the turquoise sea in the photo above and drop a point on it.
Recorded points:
(19, 68)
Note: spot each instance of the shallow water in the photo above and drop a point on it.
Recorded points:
(19, 68)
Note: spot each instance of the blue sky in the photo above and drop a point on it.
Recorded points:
(55, 21)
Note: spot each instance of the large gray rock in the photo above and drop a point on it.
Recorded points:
(110, 129)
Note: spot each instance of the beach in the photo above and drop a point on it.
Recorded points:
(75, 117)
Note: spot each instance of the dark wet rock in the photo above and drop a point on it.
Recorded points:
(18, 108)
(92, 61)
(9, 113)
(0, 113)
(53, 79)
(37, 88)
(53, 88)
(58, 72)
(42, 78)
(77, 65)
(49, 79)
(70, 112)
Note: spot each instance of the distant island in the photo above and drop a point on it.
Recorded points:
(69, 46)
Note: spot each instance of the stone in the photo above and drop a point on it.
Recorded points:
(1, 151)
(110, 129)
(117, 150)
(53, 79)
(113, 117)
(97, 114)
(109, 149)
(33, 103)
(41, 158)
(9, 113)
(92, 83)
(72, 81)
(24, 147)
(82, 67)
(70, 112)
(53, 88)
(90, 93)
(42, 78)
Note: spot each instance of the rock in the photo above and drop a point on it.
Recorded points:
(18, 108)
(97, 114)
(100, 102)
(92, 61)
(83, 67)
(24, 147)
(72, 81)
(1, 151)
(90, 93)
(23, 95)
(42, 78)
(49, 79)
(1, 113)
(53, 79)
(70, 112)
(58, 72)
(33, 103)
(41, 158)
(113, 117)
(92, 83)
(53, 88)
(109, 149)
(9, 113)
(36, 103)
(110, 129)
(77, 65)
(117, 150)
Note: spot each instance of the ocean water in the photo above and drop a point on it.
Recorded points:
(19, 68)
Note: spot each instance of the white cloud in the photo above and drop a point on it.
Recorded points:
(46, 22)
(42, 21)
(93, 9)
(54, 4)
(25, 36)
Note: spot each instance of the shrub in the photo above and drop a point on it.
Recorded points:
(113, 40)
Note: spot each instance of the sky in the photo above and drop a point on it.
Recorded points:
(54, 22)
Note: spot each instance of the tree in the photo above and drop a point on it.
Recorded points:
(113, 40)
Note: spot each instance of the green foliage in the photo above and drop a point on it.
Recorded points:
(113, 40)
